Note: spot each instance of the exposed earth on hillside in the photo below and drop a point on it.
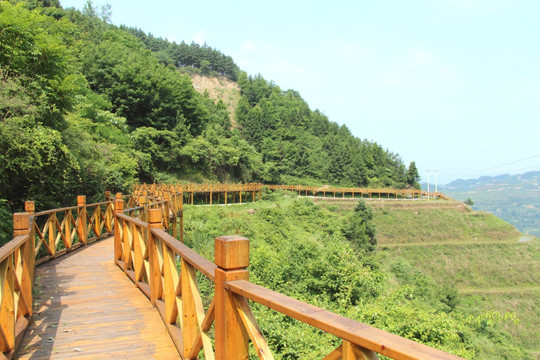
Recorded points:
(219, 88)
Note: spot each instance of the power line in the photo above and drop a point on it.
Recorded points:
(520, 169)
(501, 165)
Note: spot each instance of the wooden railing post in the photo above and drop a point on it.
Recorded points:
(167, 212)
(154, 222)
(22, 225)
(144, 212)
(118, 209)
(232, 259)
(30, 208)
(81, 215)
(182, 218)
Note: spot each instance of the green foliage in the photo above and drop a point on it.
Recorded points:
(34, 58)
(360, 229)
(412, 176)
(469, 202)
(35, 164)
(185, 56)
(442, 223)
(297, 142)
(141, 89)
(299, 249)
(6, 222)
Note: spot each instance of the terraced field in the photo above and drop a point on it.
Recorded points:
(475, 252)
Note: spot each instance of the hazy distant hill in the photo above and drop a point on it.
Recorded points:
(514, 198)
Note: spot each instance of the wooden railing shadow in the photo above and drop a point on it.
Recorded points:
(48, 325)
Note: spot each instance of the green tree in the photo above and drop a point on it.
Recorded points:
(412, 176)
(360, 229)
(205, 67)
(34, 56)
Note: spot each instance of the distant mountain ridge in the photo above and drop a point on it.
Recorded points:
(514, 198)
(529, 180)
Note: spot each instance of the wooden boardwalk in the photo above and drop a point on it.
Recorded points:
(88, 309)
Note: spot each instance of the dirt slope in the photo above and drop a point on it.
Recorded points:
(219, 88)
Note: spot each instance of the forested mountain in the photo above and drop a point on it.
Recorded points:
(87, 106)
(207, 60)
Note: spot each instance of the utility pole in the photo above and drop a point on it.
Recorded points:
(428, 172)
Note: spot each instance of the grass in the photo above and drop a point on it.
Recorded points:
(475, 252)
(525, 305)
(419, 225)
(476, 265)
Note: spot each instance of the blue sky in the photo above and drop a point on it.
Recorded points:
(452, 84)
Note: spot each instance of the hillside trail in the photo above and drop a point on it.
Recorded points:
(451, 242)
(500, 290)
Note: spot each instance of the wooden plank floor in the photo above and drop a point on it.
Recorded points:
(89, 309)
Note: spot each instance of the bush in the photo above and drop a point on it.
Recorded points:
(6, 220)
(360, 229)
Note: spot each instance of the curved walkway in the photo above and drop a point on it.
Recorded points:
(88, 309)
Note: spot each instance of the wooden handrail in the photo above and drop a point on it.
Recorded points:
(382, 342)
(45, 235)
(132, 220)
(199, 262)
(12, 246)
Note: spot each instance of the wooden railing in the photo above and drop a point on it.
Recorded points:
(61, 230)
(150, 256)
(16, 278)
(228, 193)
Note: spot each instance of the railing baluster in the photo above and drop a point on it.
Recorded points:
(118, 227)
(351, 351)
(250, 324)
(156, 287)
(170, 281)
(81, 216)
(7, 318)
